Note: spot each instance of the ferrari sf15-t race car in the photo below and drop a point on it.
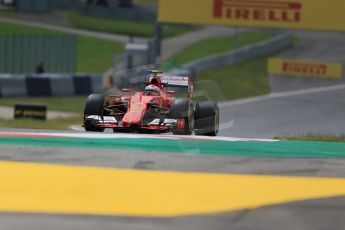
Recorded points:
(153, 110)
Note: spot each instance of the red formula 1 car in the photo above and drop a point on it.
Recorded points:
(153, 110)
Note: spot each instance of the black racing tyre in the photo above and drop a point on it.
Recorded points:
(93, 106)
(183, 109)
(207, 118)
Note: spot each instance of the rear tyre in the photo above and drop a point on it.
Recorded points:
(183, 109)
(207, 118)
(93, 106)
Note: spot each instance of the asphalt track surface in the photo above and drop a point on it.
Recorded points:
(294, 114)
(287, 114)
(326, 213)
(313, 46)
(264, 117)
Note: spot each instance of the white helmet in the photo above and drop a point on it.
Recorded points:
(151, 90)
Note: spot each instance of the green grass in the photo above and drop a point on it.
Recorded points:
(217, 45)
(131, 28)
(93, 55)
(243, 80)
(8, 14)
(6, 28)
(66, 104)
(112, 25)
(56, 124)
(313, 138)
(318, 136)
(247, 79)
(147, 2)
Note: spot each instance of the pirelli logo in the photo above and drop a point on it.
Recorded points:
(303, 68)
(258, 10)
(277, 66)
(293, 14)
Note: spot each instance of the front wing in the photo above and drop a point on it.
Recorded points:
(159, 124)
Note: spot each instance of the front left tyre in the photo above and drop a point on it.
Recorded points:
(93, 106)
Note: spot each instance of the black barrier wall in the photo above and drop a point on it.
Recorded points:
(82, 85)
(37, 86)
(49, 85)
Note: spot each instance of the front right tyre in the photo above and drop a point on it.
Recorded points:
(183, 109)
(207, 118)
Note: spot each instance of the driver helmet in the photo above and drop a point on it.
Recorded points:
(155, 81)
(151, 90)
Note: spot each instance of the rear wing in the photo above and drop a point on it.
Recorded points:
(174, 81)
(179, 81)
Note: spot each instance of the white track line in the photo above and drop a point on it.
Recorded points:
(226, 125)
(129, 136)
(282, 95)
(76, 128)
(223, 126)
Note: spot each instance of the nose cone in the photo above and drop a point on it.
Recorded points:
(134, 115)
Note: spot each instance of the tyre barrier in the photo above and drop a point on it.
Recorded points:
(12, 85)
(49, 84)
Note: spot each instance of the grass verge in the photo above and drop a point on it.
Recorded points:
(147, 2)
(6, 13)
(247, 79)
(113, 25)
(93, 55)
(131, 28)
(58, 124)
(217, 45)
(243, 80)
(65, 104)
(313, 137)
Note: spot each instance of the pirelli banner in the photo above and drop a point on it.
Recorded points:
(277, 66)
(294, 14)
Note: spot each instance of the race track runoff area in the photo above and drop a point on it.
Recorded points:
(55, 188)
(43, 188)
